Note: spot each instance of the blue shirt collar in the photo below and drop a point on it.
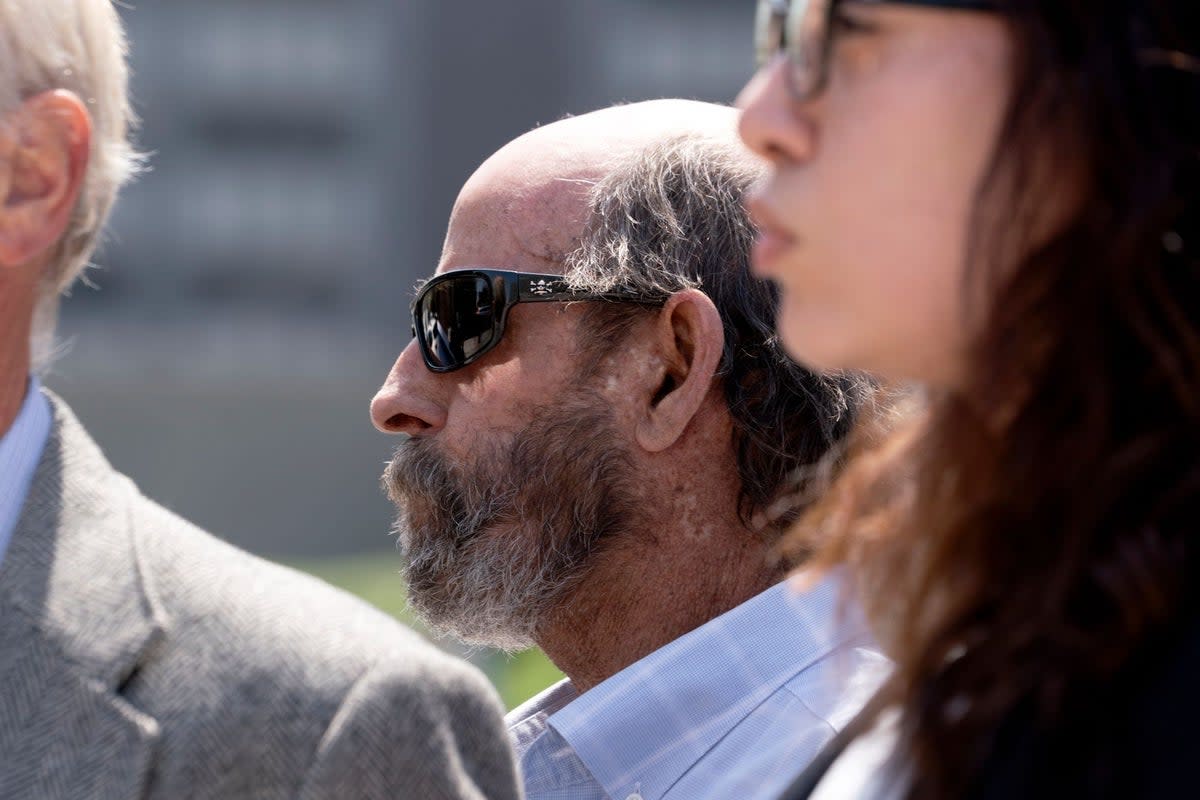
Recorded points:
(642, 729)
(20, 451)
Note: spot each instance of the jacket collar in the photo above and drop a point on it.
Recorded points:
(76, 619)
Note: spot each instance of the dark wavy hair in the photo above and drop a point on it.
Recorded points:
(1028, 546)
(669, 218)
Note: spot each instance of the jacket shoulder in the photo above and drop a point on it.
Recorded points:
(268, 680)
(444, 740)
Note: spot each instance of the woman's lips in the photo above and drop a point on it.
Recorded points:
(768, 249)
(771, 243)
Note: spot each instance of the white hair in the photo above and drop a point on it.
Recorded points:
(78, 46)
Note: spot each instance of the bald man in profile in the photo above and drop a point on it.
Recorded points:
(603, 445)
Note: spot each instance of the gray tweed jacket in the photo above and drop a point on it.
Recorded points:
(142, 658)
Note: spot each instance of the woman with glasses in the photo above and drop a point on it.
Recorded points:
(998, 201)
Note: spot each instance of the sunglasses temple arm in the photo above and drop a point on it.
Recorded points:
(543, 291)
(551, 291)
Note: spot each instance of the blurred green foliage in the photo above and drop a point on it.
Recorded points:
(375, 578)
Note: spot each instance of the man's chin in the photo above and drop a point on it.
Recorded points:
(406, 540)
(416, 526)
(472, 625)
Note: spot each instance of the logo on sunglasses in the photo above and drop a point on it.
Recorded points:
(541, 287)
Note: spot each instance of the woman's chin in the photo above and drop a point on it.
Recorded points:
(806, 346)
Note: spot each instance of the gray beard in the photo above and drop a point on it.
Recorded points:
(493, 547)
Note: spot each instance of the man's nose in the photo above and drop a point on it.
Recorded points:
(406, 403)
(773, 124)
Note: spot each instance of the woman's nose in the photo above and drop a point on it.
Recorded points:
(773, 124)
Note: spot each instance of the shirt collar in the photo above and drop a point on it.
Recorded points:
(644, 727)
(20, 451)
(527, 721)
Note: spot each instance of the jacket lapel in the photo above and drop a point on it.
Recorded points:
(75, 622)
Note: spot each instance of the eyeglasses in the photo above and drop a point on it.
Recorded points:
(804, 30)
(459, 316)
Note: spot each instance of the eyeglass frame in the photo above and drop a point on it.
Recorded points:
(510, 287)
(771, 36)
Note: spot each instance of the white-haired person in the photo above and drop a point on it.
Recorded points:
(139, 656)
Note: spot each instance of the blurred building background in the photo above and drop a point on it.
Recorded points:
(305, 155)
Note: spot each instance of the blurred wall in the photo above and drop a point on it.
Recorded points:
(305, 156)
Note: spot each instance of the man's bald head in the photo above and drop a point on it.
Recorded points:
(533, 194)
(647, 198)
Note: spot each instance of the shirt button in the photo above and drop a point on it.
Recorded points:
(634, 796)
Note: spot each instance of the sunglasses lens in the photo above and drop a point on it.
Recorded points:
(455, 319)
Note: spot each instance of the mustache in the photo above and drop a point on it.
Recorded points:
(421, 482)
(414, 469)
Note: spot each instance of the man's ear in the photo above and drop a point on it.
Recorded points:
(689, 339)
(44, 149)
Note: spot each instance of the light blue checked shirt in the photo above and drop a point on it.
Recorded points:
(20, 450)
(732, 710)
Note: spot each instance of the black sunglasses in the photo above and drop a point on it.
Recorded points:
(803, 30)
(459, 316)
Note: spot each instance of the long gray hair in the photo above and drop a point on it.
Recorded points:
(670, 219)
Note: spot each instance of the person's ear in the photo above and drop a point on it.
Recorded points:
(688, 338)
(44, 150)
